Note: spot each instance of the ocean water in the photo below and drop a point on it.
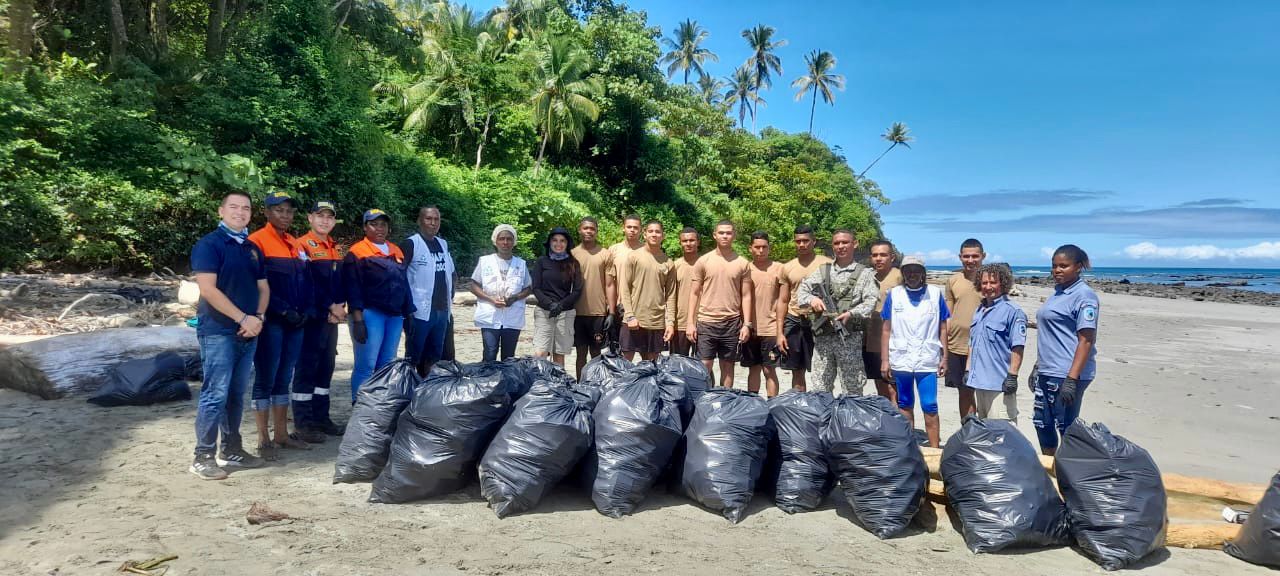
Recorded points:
(1258, 279)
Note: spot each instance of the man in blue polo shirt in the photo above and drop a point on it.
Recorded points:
(997, 337)
(233, 298)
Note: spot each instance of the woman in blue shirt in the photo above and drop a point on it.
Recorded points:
(1068, 330)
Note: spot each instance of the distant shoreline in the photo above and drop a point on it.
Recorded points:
(1169, 291)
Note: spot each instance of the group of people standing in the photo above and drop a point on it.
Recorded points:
(271, 304)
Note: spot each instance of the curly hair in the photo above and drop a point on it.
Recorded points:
(1001, 271)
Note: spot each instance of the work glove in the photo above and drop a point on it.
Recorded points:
(408, 330)
(294, 318)
(607, 325)
(1031, 380)
(555, 310)
(1067, 392)
(359, 332)
(1011, 384)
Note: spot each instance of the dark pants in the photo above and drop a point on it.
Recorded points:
(226, 360)
(494, 338)
(448, 353)
(429, 336)
(310, 394)
(273, 364)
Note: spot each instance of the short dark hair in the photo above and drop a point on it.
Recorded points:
(652, 222)
(690, 230)
(586, 219)
(1002, 273)
(1075, 253)
(839, 231)
(881, 242)
(727, 222)
(759, 235)
(804, 229)
(244, 195)
(971, 243)
(628, 217)
(428, 207)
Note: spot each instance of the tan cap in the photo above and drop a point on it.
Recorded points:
(912, 261)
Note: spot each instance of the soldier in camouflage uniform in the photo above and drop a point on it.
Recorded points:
(852, 291)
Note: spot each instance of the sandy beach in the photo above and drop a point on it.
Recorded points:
(86, 488)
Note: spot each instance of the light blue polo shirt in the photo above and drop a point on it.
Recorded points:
(994, 332)
(1067, 311)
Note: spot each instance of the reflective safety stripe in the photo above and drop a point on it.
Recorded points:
(322, 391)
(300, 397)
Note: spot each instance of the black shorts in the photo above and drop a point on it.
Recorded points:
(799, 336)
(871, 363)
(719, 340)
(760, 351)
(642, 340)
(679, 343)
(588, 331)
(955, 370)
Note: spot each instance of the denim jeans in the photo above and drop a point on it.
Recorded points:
(378, 350)
(310, 393)
(227, 361)
(273, 363)
(495, 338)
(428, 338)
(1052, 415)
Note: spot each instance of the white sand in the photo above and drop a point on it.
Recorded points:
(86, 488)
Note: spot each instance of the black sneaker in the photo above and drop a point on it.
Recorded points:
(236, 457)
(206, 468)
(332, 429)
(309, 435)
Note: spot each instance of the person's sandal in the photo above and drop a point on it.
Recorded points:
(293, 442)
(268, 451)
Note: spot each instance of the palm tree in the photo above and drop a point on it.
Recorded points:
(762, 58)
(562, 97)
(819, 79)
(687, 52)
(897, 134)
(710, 89)
(741, 91)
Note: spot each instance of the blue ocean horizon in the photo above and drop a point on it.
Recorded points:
(1258, 279)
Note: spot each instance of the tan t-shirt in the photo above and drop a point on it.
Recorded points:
(875, 324)
(678, 300)
(962, 301)
(620, 251)
(765, 298)
(595, 266)
(793, 273)
(650, 280)
(721, 279)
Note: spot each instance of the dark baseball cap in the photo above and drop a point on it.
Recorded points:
(279, 197)
(324, 205)
(374, 214)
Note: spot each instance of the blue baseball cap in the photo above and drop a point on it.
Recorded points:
(374, 214)
(277, 198)
(324, 205)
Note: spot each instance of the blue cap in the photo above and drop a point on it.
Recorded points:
(374, 214)
(277, 198)
(324, 205)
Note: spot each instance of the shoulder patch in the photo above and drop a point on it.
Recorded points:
(1022, 327)
(1090, 312)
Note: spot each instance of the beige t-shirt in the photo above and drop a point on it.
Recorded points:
(963, 300)
(678, 300)
(765, 298)
(595, 266)
(722, 286)
(875, 324)
(793, 273)
(650, 280)
(620, 251)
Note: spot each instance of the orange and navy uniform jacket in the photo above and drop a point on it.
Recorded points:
(287, 273)
(324, 260)
(376, 280)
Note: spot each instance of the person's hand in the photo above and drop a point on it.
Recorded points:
(1031, 380)
(844, 317)
(294, 318)
(606, 325)
(744, 333)
(250, 326)
(669, 333)
(1067, 391)
(942, 368)
(692, 333)
(499, 301)
(885, 371)
(359, 332)
(633, 323)
(338, 313)
(408, 329)
(782, 344)
(556, 310)
(1010, 384)
(817, 306)
(964, 378)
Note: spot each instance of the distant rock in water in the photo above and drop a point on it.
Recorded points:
(1228, 284)
(1213, 292)
(1124, 281)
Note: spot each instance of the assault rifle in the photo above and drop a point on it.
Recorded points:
(830, 311)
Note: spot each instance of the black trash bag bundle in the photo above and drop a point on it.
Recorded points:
(525, 371)
(1115, 497)
(1259, 539)
(873, 453)
(802, 477)
(690, 376)
(443, 432)
(602, 369)
(367, 441)
(548, 432)
(728, 441)
(145, 381)
(1002, 493)
(637, 425)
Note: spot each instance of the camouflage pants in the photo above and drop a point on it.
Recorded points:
(832, 357)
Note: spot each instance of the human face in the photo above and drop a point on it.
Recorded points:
(804, 244)
(654, 235)
(587, 232)
(881, 257)
(376, 230)
(322, 222)
(631, 229)
(724, 236)
(689, 243)
(505, 244)
(236, 211)
(281, 216)
(843, 245)
(559, 243)
(971, 258)
(990, 286)
(1065, 270)
(429, 222)
(760, 250)
(913, 276)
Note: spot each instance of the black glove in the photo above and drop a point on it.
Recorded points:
(1067, 391)
(359, 332)
(1011, 384)
(1031, 380)
(555, 310)
(408, 330)
(964, 377)
(607, 325)
(294, 318)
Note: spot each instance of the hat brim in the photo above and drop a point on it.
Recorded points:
(912, 265)
(378, 217)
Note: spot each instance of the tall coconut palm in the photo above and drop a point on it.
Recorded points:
(741, 91)
(898, 135)
(762, 59)
(562, 97)
(687, 52)
(819, 79)
(711, 90)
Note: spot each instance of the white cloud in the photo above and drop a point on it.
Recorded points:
(1046, 251)
(939, 257)
(1151, 251)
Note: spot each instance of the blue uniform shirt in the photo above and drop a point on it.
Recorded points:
(996, 330)
(1068, 311)
(239, 266)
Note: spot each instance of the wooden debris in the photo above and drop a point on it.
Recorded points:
(152, 567)
(1200, 536)
(259, 513)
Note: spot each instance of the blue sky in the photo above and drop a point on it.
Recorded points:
(1148, 133)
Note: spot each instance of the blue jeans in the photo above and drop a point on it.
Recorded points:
(273, 363)
(495, 338)
(310, 393)
(227, 361)
(1052, 416)
(378, 350)
(909, 382)
(428, 338)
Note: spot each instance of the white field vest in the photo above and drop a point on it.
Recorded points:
(914, 344)
(422, 274)
(504, 278)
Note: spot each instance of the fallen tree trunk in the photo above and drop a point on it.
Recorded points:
(79, 363)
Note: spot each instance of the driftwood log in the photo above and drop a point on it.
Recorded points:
(80, 363)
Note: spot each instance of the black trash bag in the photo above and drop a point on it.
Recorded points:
(145, 381)
(802, 477)
(548, 432)
(728, 440)
(637, 424)
(1002, 493)
(1115, 497)
(1259, 539)
(367, 441)
(603, 369)
(523, 372)
(873, 453)
(443, 432)
(690, 376)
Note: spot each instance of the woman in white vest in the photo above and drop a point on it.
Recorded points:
(501, 282)
(430, 272)
(911, 345)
